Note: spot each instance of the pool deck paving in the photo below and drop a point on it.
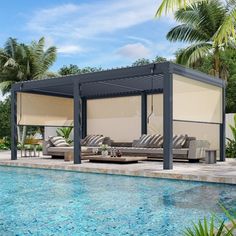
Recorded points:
(222, 172)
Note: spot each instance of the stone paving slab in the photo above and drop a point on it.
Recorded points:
(222, 172)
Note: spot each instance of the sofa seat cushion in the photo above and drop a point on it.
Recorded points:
(69, 149)
(136, 150)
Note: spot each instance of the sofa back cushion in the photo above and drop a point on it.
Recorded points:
(93, 140)
(156, 142)
(179, 141)
(149, 141)
(187, 142)
(142, 141)
(58, 141)
(96, 141)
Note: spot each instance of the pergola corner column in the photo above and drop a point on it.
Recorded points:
(13, 125)
(222, 128)
(77, 122)
(144, 113)
(84, 117)
(168, 120)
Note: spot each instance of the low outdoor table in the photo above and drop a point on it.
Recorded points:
(69, 155)
(210, 156)
(118, 160)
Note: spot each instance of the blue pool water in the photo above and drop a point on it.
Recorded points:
(46, 202)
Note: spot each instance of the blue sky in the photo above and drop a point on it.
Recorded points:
(102, 33)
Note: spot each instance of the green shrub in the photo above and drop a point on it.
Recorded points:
(3, 147)
(5, 144)
(231, 149)
(213, 227)
(231, 145)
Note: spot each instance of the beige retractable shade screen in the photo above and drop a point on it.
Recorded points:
(41, 110)
(117, 118)
(196, 101)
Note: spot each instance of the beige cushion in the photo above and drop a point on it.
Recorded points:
(58, 141)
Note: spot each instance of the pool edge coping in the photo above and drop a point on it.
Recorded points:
(137, 173)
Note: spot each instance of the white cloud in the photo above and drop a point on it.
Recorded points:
(89, 20)
(75, 27)
(69, 49)
(134, 51)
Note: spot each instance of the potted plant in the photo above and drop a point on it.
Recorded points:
(104, 150)
(65, 132)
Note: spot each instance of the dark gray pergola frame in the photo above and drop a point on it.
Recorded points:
(166, 69)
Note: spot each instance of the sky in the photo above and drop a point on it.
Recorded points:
(100, 33)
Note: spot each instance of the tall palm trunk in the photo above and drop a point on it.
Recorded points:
(216, 61)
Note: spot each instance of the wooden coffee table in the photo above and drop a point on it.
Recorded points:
(118, 160)
(69, 155)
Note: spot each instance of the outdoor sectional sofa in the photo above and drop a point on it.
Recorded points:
(190, 149)
(59, 149)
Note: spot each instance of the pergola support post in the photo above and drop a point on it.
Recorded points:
(168, 121)
(222, 128)
(77, 122)
(144, 113)
(13, 125)
(84, 117)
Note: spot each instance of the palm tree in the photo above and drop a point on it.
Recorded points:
(20, 62)
(199, 24)
(224, 32)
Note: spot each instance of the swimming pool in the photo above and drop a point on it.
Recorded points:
(48, 202)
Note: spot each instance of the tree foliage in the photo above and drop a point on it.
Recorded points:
(199, 22)
(227, 29)
(75, 70)
(145, 61)
(21, 62)
(5, 108)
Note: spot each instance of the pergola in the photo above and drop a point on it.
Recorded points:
(188, 96)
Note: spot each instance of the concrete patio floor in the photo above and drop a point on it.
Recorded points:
(222, 172)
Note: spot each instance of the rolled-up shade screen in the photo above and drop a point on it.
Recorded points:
(117, 118)
(41, 110)
(196, 101)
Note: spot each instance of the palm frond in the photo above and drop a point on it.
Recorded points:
(227, 29)
(10, 63)
(10, 47)
(49, 57)
(193, 53)
(168, 6)
(185, 33)
(188, 15)
(5, 86)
